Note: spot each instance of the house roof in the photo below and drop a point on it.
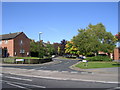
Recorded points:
(9, 36)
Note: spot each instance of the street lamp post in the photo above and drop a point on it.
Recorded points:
(39, 42)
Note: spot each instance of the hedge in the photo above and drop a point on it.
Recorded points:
(99, 58)
(26, 61)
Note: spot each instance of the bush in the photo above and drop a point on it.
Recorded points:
(99, 58)
(8, 60)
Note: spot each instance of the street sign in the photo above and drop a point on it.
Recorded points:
(84, 60)
(19, 59)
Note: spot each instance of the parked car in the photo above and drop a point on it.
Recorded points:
(82, 57)
(53, 56)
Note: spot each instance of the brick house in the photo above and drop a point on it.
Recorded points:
(117, 53)
(14, 44)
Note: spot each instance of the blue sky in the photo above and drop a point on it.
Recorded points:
(57, 20)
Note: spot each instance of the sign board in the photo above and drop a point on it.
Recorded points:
(84, 60)
(19, 59)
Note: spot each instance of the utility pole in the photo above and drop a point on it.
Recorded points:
(39, 42)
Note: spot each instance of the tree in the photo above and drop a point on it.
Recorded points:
(58, 50)
(94, 38)
(34, 48)
(118, 36)
(49, 49)
(62, 47)
(56, 45)
(70, 48)
(41, 49)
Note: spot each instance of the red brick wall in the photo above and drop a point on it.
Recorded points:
(9, 46)
(116, 54)
(25, 45)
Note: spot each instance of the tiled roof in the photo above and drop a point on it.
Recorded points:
(9, 36)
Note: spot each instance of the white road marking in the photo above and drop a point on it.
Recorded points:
(18, 78)
(24, 84)
(84, 72)
(16, 85)
(31, 69)
(68, 79)
(73, 72)
(0, 75)
(117, 88)
(64, 71)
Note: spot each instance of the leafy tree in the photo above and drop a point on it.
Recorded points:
(56, 45)
(62, 47)
(34, 48)
(70, 48)
(58, 50)
(49, 49)
(93, 39)
(118, 36)
(41, 49)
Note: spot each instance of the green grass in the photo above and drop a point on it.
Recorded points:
(90, 65)
(10, 61)
(68, 58)
(28, 57)
(25, 57)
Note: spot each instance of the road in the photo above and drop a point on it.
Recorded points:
(16, 81)
(47, 70)
(63, 66)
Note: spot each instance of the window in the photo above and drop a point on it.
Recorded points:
(6, 41)
(21, 42)
(15, 53)
(22, 51)
(0, 41)
(27, 53)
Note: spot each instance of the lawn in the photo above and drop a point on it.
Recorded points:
(68, 58)
(90, 65)
(25, 57)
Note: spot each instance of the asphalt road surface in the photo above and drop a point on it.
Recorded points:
(62, 66)
(24, 82)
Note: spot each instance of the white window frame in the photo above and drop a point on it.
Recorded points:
(6, 41)
(21, 42)
(0, 41)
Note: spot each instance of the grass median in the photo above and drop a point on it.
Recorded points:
(90, 65)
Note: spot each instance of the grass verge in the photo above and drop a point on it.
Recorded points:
(68, 58)
(91, 65)
(25, 57)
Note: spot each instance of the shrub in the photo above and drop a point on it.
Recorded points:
(99, 58)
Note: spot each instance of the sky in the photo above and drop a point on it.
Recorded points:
(57, 20)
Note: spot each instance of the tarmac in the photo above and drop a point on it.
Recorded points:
(103, 75)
